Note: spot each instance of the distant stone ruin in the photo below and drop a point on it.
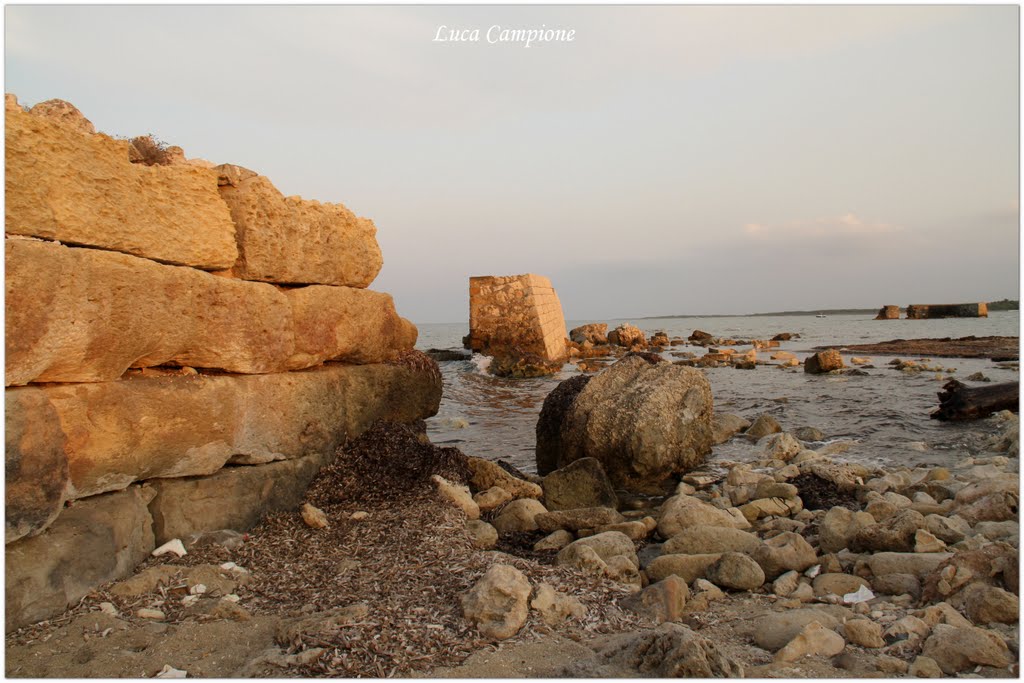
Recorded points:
(923, 311)
(516, 312)
(888, 313)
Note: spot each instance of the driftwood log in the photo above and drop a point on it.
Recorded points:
(957, 401)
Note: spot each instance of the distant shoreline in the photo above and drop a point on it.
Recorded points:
(825, 311)
(1002, 305)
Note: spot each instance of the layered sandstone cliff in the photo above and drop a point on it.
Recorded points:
(184, 348)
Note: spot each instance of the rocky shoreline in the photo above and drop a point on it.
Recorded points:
(994, 348)
(745, 570)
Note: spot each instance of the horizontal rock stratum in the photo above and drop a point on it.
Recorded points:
(63, 184)
(111, 434)
(87, 315)
(296, 241)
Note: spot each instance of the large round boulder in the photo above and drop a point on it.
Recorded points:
(644, 421)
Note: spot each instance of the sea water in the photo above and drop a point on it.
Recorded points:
(884, 414)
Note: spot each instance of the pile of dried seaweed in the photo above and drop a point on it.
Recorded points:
(389, 461)
(405, 561)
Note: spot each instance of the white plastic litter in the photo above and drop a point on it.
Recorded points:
(813, 571)
(173, 546)
(863, 594)
(170, 672)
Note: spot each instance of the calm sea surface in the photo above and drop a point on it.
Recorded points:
(886, 413)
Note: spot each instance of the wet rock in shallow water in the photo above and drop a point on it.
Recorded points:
(784, 552)
(519, 515)
(517, 364)
(644, 422)
(556, 607)
(957, 649)
(580, 484)
(580, 518)
(443, 355)
(764, 425)
(735, 571)
(595, 333)
(497, 603)
(823, 362)
(628, 336)
(552, 417)
(699, 540)
(724, 426)
(662, 601)
(808, 434)
(781, 446)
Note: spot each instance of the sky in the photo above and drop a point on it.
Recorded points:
(668, 160)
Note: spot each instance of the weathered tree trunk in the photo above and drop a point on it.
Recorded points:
(958, 401)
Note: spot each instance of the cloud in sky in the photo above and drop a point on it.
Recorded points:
(664, 140)
(846, 225)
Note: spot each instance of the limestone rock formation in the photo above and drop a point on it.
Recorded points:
(643, 422)
(95, 541)
(296, 241)
(64, 184)
(86, 315)
(137, 351)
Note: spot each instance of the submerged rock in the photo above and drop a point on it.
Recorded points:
(823, 362)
